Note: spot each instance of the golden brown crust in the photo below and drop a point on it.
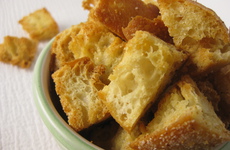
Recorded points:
(116, 14)
(60, 47)
(138, 75)
(206, 60)
(155, 26)
(18, 51)
(186, 133)
(99, 44)
(214, 26)
(197, 30)
(184, 120)
(77, 84)
(40, 25)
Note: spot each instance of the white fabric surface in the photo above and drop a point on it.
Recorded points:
(21, 127)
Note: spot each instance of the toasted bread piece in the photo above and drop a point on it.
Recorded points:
(60, 47)
(146, 67)
(77, 84)
(184, 120)
(99, 44)
(116, 14)
(198, 30)
(189, 20)
(155, 26)
(40, 25)
(18, 51)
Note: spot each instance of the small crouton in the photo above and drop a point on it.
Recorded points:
(40, 25)
(18, 51)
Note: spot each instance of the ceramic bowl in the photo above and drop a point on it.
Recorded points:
(50, 110)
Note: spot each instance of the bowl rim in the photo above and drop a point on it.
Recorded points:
(63, 133)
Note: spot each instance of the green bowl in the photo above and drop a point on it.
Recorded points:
(63, 133)
(50, 112)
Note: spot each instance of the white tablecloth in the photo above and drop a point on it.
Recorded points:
(21, 127)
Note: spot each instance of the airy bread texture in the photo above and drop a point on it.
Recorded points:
(198, 31)
(207, 60)
(40, 25)
(60, 48)
(99, 44)
(116, 14)
(127, 60)
(77, 84)
(146, 67)
(184, 120)
(18, 51)
(189, 20)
